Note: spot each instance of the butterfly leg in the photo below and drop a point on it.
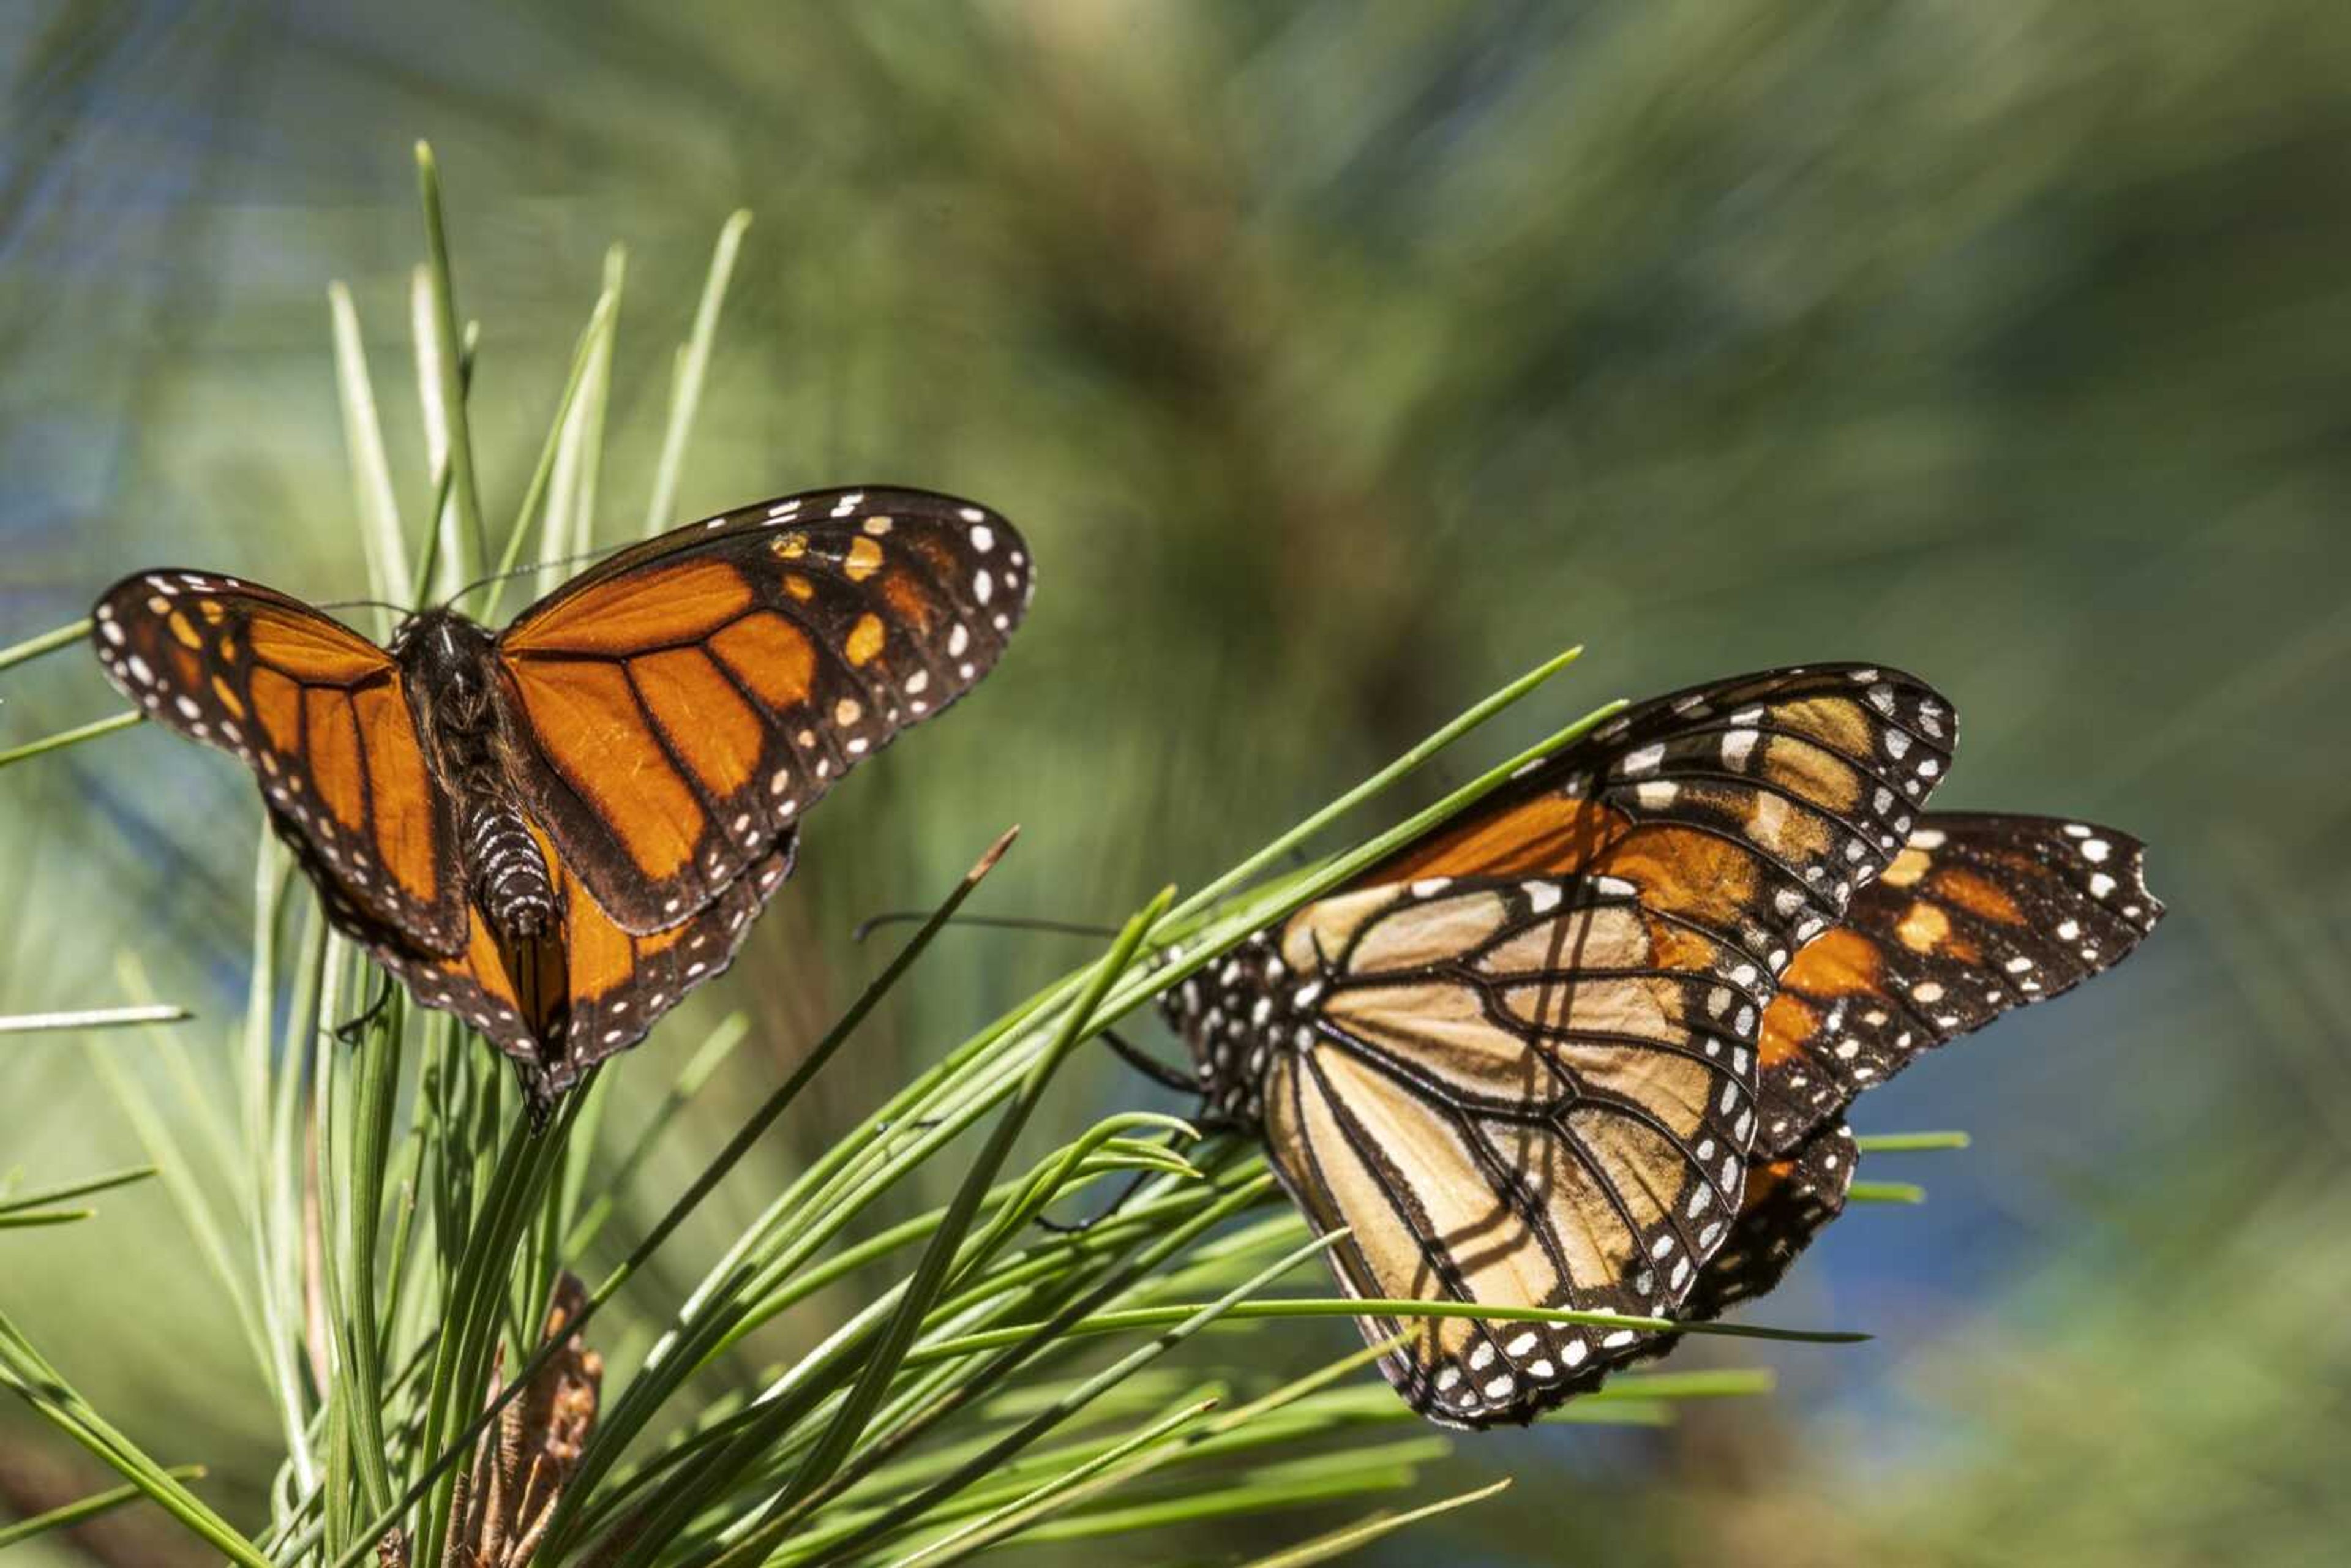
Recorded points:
(351, 1029)
(1149, 1066)
(1079, 1226)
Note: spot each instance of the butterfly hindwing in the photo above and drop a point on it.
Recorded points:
(1790, 1201)
(1514, 1092)
(320, 715)
(689, 699)
(616, 985)
(1790, 1198)
(1979, 914)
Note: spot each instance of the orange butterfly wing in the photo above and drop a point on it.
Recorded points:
(615, 985)
(690, 699)
(1980, 914)
(320, 715)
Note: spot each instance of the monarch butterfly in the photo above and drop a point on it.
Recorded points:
(1528, 1059)
(556, 830)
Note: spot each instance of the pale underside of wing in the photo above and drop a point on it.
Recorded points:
(1530, 1079)
(1533, 1094)
(1790, 1201)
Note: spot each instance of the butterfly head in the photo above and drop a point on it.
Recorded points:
(449, 657)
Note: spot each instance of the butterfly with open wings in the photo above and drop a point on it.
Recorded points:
(556, 830)
(1586, 1046)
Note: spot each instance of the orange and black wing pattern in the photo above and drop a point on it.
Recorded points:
(319, 713)
(1978, 915)
(688, 700)
(615, 985)
(1518, 1060)
(1790, 1198)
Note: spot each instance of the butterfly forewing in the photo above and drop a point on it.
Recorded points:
(1754, 806)
(1978, 914)
(320, 715)
(692, 697)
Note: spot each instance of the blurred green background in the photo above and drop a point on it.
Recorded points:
(1340, 361)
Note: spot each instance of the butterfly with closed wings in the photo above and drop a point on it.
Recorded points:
(1574, 1049)
(556, 830)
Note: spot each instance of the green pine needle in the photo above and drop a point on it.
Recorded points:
(1908, 1142)
(87, 1508)
(74, 737)
(1886, 1192)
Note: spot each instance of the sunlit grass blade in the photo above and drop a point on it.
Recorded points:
(94, 1017)
(1332, 1307)
(693, 367)
(86, 1509)
(1444, 735)
(1340, 1542)
(31, 648)
(354, 1152)
(591, 343)
(31, 1379)
(373, 497)
(163, 1147)
(752, 1545)
(477, 1298)
(195, 1094)
(689, 1082)
(1273, 1491)
(567, 532)
(1729, 1383)
(12, 1201)
(931, 1273)
(462, 552)
(74, 737)
(1068, 1488)
(696, 1191)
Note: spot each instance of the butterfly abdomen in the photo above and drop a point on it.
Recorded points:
(508, 874)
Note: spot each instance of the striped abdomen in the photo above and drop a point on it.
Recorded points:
(509, 876)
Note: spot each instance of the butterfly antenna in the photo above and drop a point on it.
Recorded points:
(872, 923)
(400, 610)
(582, 559)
